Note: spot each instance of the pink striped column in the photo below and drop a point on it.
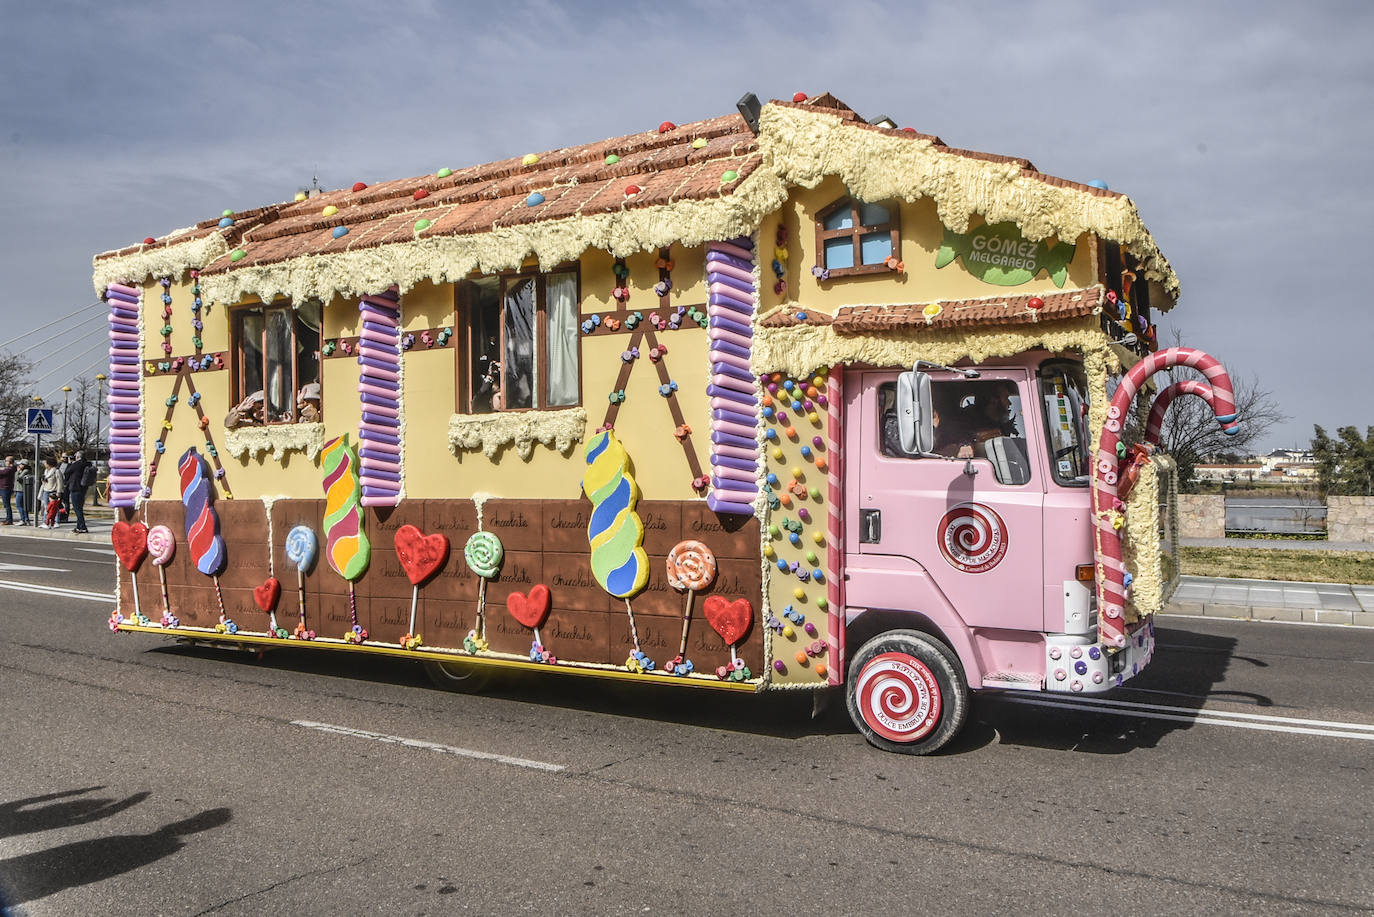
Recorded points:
(834, 548)
(1111, 588)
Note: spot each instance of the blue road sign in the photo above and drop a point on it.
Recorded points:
(40, 420)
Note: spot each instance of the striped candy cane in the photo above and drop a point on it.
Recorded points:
(835, 524)
(1154, 428)
(1111, 588)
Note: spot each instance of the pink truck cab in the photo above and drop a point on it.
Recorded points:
(972, 553)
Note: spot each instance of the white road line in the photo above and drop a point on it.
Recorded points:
(69, 560)
(1163, 620)
(1207, 717)
(58, 591)
(105, 551)
(28, 568)
(429, 746)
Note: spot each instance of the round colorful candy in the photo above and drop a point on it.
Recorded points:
(162, 544)
(301, 547)
(483, 552)
(691, 565)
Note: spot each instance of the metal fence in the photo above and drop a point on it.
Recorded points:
(1275, 515)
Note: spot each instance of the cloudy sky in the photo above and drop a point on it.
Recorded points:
(1242, 130)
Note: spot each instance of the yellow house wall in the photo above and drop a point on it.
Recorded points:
(921, 235)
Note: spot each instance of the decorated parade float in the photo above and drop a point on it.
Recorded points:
(778, 400)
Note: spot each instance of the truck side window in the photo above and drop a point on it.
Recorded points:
(973, 419)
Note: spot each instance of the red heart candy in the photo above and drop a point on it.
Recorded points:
(530, 610)
(267, 594)
(731, 620)
(130, 543)
(421, 555)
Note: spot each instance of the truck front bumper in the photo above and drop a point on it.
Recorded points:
(1075, 666)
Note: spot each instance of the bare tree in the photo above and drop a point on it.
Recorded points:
(82, 407)
(15, 398)
(1191, 431)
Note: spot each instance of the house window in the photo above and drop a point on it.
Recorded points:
(277, 362)
(523, 343)
(853, 237)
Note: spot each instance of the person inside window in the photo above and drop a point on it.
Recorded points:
(985, 415)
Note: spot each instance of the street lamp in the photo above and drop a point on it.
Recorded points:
(66, 390)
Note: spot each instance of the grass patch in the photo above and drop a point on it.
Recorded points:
(1292, 566)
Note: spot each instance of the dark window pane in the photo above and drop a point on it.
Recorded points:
(280, 391)
(520, 382)
(250, 381)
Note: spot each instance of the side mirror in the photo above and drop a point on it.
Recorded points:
(915, 419)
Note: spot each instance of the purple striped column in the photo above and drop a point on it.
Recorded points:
(732, 389)
(379, 391)
(126, 424)
(834, 547)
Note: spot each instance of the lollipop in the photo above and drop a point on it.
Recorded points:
(483, 554)
(615, 532)
(421, 556)
(130, 540)
(732, 621)
(301, 547)
(691, 568)
(346, 544)
(202, 523)
(162, 544)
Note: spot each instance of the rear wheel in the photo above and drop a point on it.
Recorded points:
(457, 676)
(906, 692)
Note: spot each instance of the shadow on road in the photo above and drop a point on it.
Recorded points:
(1188, 670)
(24, 816)
(31, 876)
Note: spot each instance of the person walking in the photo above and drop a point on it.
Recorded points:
(24, 478)
(52, 492)
(63, 463)
(7, 472)
(76, 483)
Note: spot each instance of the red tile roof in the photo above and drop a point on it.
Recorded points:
(961, 313)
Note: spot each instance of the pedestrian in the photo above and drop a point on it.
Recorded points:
(52, 491)
(63, 463)
(79, 475)
(7, 472)
(24, 478)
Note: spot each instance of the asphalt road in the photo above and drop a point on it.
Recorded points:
(146, 778)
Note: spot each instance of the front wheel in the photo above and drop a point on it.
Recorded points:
(906, 692)
(462, 677)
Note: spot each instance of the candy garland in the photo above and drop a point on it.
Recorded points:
(125, 397)
(379, 388)
(166, 331)
(202, 421)
(734, 404)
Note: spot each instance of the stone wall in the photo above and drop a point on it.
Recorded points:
(1350, 519)
(1201, 516)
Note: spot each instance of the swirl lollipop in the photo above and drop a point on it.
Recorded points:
(346, 544)
(202, 523)
(615, 532)
(691, 568)
(483, 554)
(162, 546)
(301, 548)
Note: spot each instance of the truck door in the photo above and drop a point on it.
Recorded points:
(972, 525)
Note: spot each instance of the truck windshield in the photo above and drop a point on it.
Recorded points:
(1064, 397)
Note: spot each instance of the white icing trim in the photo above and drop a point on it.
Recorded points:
(489, 432)
(159, 260)
(277, 439)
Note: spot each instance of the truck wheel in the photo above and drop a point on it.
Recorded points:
(906, 692)
(456, 676)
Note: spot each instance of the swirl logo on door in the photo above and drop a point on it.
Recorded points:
(972, 538)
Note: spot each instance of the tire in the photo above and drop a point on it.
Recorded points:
(457, 676)
(906, 692)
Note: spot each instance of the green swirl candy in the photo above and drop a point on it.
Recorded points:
(483, 552)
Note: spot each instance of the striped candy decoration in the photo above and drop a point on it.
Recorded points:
(346, 545)
(732, 299)
(379, 388)
(126, 423)
(834, 437)
(615, 532)
(1111, 588)
(202, 522)
(1154, 428)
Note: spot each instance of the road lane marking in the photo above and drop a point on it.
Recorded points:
(106, 551)
(58, 591)
(1222, 618)
(429, 746)
(27, 568)
(65, 560)
(1260, 722)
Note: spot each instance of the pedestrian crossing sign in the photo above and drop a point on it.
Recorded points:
(40, 420)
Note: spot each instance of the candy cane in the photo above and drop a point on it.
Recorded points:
(1111, 588)
(1154, 427)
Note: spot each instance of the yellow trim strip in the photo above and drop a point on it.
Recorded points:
(326, 643)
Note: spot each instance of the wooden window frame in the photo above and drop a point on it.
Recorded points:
(856, 232)
(463, 355)
(236, 373)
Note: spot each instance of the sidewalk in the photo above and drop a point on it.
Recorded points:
(1277, 544)
(1270, 600)
(98, 524)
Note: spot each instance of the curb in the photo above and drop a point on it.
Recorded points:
(1270, 613)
